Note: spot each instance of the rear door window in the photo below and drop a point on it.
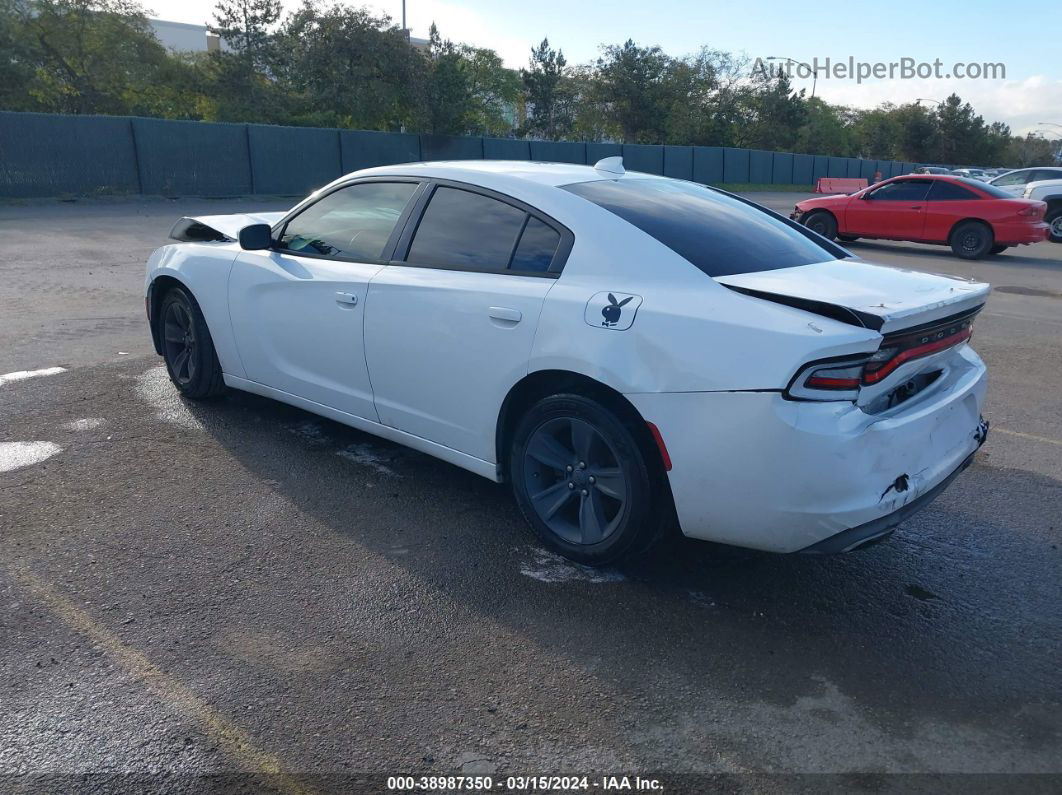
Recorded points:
(466, 230)
(719, 234)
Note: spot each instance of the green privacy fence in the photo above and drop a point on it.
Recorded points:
(44, 155)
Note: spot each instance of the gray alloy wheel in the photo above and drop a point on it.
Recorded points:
(575, 481)
(180, 342)
(1054, 220)
(191, 361)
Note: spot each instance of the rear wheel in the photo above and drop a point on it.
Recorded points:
(998, 249)
(1054, 221)
(583, 480)
(822, 222)
(971, 240)
(187, 347)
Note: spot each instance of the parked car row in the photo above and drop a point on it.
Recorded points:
(974, 218)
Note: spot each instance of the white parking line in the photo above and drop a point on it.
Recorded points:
(1030, 436)
(21, 375)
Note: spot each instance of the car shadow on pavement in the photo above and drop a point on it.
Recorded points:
(954, 618)
(1014, 255)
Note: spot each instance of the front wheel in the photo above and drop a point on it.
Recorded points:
(188, 348)
(583, 481)
(971, 240)
(822, 222)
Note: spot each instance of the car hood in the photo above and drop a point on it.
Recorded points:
(196, 228)
(879, 297)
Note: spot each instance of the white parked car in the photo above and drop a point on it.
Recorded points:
(972, 173)
(1050, 191)
(623, 349)
(1015, 181)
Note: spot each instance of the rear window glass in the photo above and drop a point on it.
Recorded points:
(984, 187)
(717, 233)
(948, 191)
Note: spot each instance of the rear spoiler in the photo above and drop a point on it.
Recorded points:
(218, 228)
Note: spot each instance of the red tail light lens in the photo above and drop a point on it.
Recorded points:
(841, 378)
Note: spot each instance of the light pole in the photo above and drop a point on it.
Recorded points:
(814, 71)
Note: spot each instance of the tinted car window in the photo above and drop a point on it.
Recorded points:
(1013, 178)
(992, 190)
(911, 190)
(461, 229)
(352, 223)
(1047, 173)
(536, 248)
(718, 234)
(948, 191)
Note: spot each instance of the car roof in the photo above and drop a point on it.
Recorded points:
(551, 174)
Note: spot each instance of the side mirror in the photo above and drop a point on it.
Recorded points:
(256, 237)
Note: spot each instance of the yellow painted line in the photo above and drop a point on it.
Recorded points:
(1030, 436)
(235, 741)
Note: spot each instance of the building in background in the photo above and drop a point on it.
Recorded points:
(185, 37)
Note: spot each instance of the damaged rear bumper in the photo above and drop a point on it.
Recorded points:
(758, 470)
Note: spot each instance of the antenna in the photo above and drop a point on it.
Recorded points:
(611, 165)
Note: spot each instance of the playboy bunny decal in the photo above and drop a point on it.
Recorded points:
(612, 310)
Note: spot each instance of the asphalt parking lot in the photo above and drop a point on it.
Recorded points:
(241, 594)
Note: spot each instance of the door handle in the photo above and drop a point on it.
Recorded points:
(506, 314)
(347, 299)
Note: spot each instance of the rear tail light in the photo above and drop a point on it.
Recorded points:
(841, 378)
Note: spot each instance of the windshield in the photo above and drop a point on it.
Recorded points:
(719, 234)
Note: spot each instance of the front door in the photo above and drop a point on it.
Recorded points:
(895, 210)
(298, 310)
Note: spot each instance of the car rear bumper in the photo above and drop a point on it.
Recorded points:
(1017, 234)
(754, 469)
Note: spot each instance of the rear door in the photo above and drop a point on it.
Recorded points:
(449, 325)
(297, 309)
(946, 204)
(895, 210)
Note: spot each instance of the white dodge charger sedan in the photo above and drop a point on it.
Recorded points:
(629, 352)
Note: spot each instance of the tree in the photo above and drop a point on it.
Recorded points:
(448, 103)
(342, 66)
(548, 93)
(632, 83)
(825, 131)
(774, 114)
(246, 26)
(88, 56)
(494, 92)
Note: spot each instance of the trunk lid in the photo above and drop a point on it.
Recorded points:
(877, 297)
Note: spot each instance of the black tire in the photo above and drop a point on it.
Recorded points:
(848, 238)
(997, 249)
(822, 222)
(191, 361)
(580, 516)
(971, 240)
(1054, 220)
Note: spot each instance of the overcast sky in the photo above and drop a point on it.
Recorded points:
(974, 31)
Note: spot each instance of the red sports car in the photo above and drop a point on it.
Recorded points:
(972, 217)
